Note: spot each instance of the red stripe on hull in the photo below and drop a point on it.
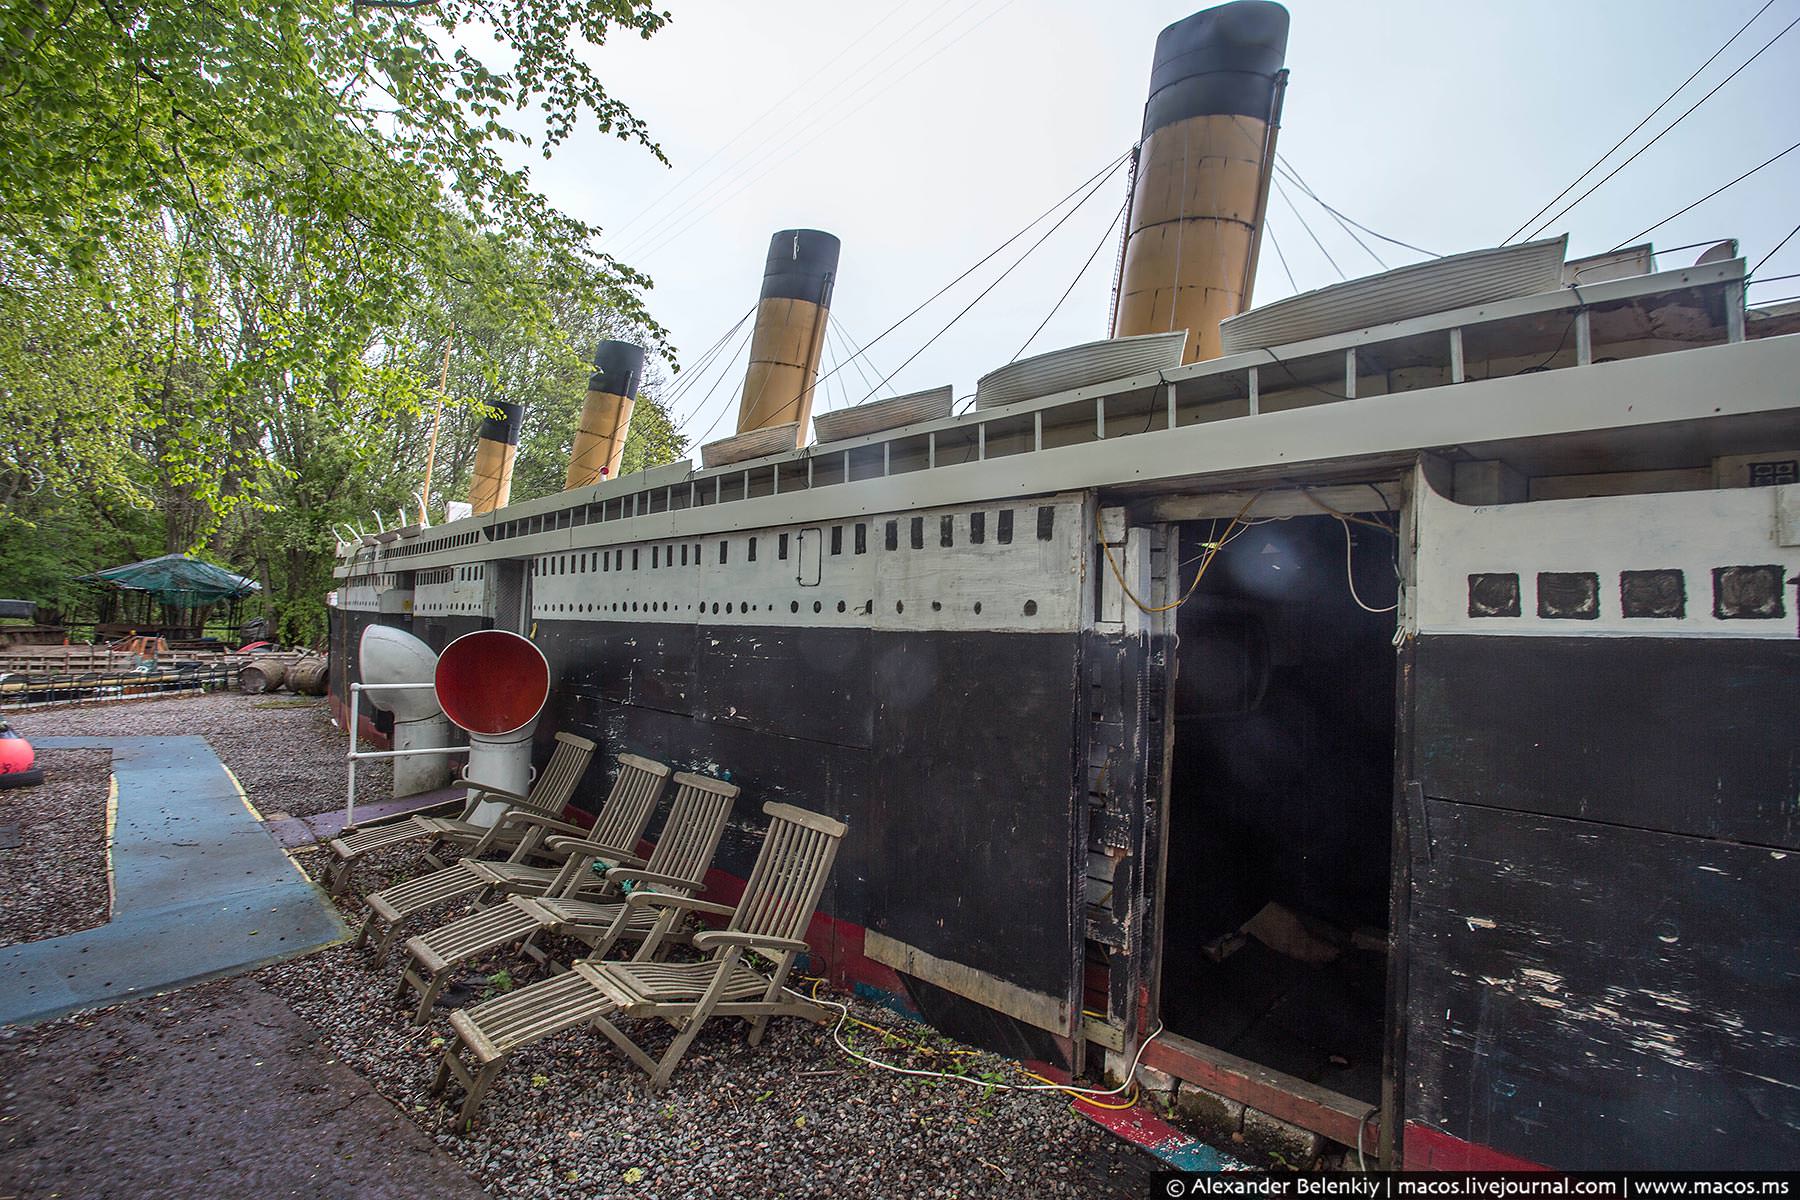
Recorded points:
(1429, 1149)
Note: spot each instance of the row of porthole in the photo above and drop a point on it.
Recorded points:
(732, 608)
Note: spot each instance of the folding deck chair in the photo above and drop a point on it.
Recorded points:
(776, 908)
(621, 822)
(548, 797)
(677, 867)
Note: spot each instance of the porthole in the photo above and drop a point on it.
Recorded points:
(899, 606)
(715, 608)
(937, 606)
(840, 606)
(978, 608)
(727, 608)
(793, 606)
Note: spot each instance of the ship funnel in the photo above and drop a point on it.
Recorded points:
(494, 453)
(389, 655)
(789, 335)
(1203, 173)
(493, 684)
(606, 416)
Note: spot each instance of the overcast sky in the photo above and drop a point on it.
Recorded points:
(925, 133)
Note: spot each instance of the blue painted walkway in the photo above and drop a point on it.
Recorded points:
(200, 889)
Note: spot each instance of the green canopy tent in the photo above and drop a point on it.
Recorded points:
(173, 595)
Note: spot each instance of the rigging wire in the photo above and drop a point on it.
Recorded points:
(1270, 231)
(693, 375)
(834, 329)
(1098, 246)
(1702, 200)
(1098, 184)
(1671, 125)
(723, 375)
(1295, 209)
(861, 353)
(666, 217)
(1294, 174)
(1333, 213)
(1613, 149)
(1099, 175)
(796, 144)
(694, 171)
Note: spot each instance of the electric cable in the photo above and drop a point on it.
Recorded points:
(1350, 575)
(1001, 278)
(1702, 200)
(1613, 149)
(1295, 209)
(1098, 246)
(1771, 254)
(1213, 552)
(1671, 125)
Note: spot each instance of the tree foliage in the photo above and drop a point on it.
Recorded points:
(234, 243)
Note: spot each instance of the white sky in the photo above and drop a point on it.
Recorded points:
(924, 133)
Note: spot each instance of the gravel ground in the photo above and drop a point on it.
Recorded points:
(54, 881)
(283, 749)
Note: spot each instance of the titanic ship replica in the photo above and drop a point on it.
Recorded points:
(1381, 701)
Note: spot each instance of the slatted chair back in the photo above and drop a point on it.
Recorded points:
(628, 808)
(696, 821)
(789, 874)
(556, 783)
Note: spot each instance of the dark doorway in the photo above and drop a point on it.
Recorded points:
(1281, 789)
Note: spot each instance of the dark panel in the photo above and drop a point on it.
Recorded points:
(1749, 593)
(975, 804)
(1494, 595)
(810, 684)
(1568, 595)
(1684, 735)
(647, 664)
(1586, 996)
(1660, 594)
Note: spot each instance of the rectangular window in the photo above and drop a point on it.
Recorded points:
(947, 531)
(606, 560)
(977, 528)
(837, 539)
(655, 557)
(634, 558)
(1003, 532)
(684, 554)
(750, 553)
(893, 535)
(862, 538)
(1046, 523)
(918, 533)
(722, 546)
(781, 548)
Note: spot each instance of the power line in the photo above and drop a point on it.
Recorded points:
(1104, 238)
(1771, 254)
(679, 221)
(1295, 209)
(1009, 270)
(1702, 200)
(1628, 136)
(1672, 124)
(694, 171)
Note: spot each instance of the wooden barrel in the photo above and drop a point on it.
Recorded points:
(307, 677)
(262, 675)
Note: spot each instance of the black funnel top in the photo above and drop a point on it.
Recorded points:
(504, 428)
(1219, 61)
(618, 368)
(801, 266)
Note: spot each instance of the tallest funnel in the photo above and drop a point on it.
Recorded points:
(1203, 173)
(790, 330)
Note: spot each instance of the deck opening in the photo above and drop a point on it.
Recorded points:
(1280, 800)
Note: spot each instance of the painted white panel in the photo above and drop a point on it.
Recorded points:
(1693, 532)
(1026, 584)
(451, 591)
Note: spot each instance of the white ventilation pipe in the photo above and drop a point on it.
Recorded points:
(392, 656)
(493, 684)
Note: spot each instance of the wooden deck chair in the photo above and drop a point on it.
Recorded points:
(568, 762)
(776, 908)
(617, 829)
(677, 867)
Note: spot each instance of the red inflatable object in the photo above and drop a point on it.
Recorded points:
(18, 762)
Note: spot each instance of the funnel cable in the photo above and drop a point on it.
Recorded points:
(1270, 230)
(1333, 214)
(844, 341)
(723, 376)
(1665, 103)
(861, 352)
(1295, 209)
(1671, 125)
(1702, 200)
(1098, 246)
(1098, 184)
(1288, 169)
(698, 371)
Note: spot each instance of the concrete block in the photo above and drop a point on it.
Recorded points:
(1209, 1109)
(1159, 1082)
(1296, 1146)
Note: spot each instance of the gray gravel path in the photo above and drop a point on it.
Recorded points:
(283, 749)
(54, 881)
